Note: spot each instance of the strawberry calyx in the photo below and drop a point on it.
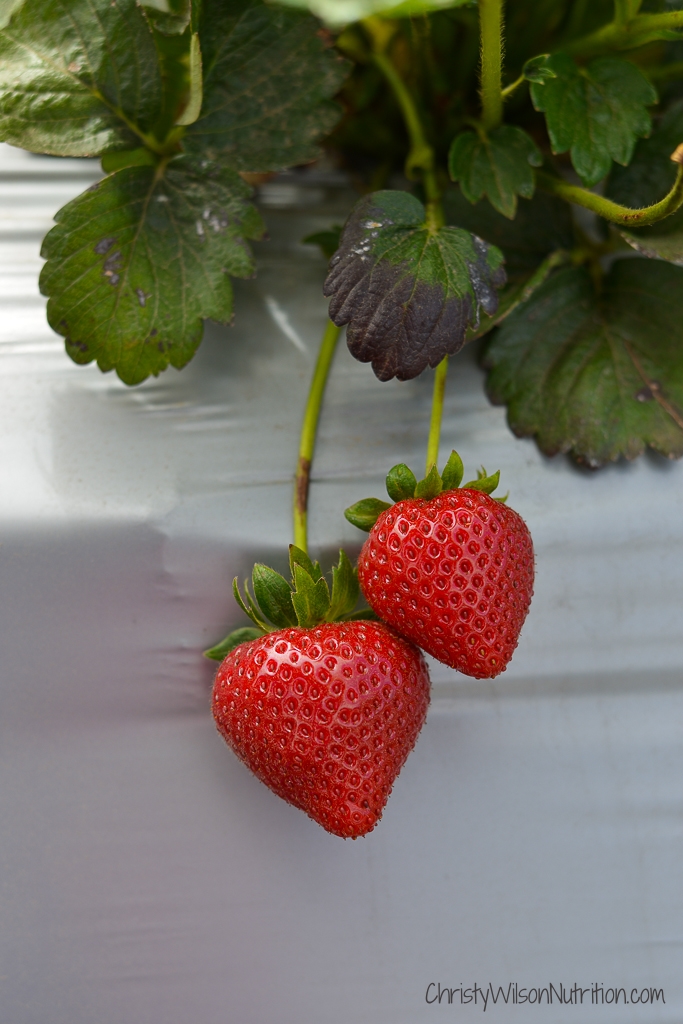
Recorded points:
(305, 601)
(403, 484)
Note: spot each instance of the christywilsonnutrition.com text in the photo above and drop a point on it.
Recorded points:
(488, 996)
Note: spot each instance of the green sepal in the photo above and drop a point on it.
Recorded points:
(141, 157)
(430, 486)
(401, 482)
(345, 588)
(452, 472)
(364, 514)
(538, 70)
(327, 241)
(255, 610)
(238, 636)
(249, 610)
(299, 557)
(484, 483)
(311, 599)
(274, 596)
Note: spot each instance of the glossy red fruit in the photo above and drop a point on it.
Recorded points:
(454, 574)
(325, 716)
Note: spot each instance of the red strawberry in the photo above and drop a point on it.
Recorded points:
(452, 571)
(325, 716)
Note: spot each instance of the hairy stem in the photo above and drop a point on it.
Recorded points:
(613, 211)
(440, 375)
(618, 35)
(491, 28)
(309, 430)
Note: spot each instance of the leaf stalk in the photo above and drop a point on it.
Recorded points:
(626, 34)
(613, 211)
(309, 430)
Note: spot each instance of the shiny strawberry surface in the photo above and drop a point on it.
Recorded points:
(454, 574)
(325, 716)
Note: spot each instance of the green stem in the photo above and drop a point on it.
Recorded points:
(309, 430)
(421, 159)
(637, 31)
(509, 89)
(491, 28)
(440, 375)
(613, 211)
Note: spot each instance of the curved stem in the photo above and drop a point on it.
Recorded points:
(509, 89)
(491, 27)
(613, 211)
(440, 375)
(627, 35)
(308, 433)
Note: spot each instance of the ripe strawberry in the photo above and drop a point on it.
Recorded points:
(451, 569)
(324, 714)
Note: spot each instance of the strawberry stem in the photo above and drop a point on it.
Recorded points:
(440, 375)
(309, 430)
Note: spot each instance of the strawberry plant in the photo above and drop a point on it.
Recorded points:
(520, 185)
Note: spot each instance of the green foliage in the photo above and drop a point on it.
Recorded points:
(647, 179)
(597, 375)
(596, 112)
(497, 165)
(539, 69)
(243, 635)
(453, 472)
(78, 79)
(256, 121)
(135, 262)
(365, 513)
(305, 602)
(408, 291)
(401, 482)
(402, 485)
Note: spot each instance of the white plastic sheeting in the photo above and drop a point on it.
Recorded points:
(535, 835)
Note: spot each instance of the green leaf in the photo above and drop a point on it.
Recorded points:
(496, 165)
(327, 241)
(299, 557)
(138, 260)
(408, 292)
(651, 173)
(401, 482)
(249, 608)
(238, 636)
(311, 599)
(542, 225)
(74, 76)
(274, 596)
(341, 12)
(345, 588)
(597, 112)
(452, 472)
(430, 486)
(598, 376)
(539, 69)
(268, 80)
(664, 244)
(646, 180)
(484, 483)
(364, 514)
